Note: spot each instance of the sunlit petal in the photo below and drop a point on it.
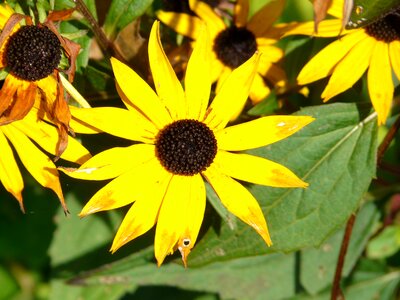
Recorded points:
(180, 216)
(184, 24)
(198, 78)
(167, 85)
(259, 89)
(326, 28)
(322, 64)
(345, 75)
(128, 124)
(232, 95)
(139, 95)
(10, 175)
(256, 170)
(380, 83)
(238, 200)
(394, 54)
(206, 13)
(113, 162)
(35, 161)
(252, 134)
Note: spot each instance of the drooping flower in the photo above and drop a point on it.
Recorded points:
(31, 55)
(374, 49)
(180, 142)
(29, 137)
(233, 45)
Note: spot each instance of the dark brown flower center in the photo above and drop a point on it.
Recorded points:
(386, 29)
(234, 46)
(32, 53)
(186, 147)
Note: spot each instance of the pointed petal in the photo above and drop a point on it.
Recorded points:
(184, 24)
(112, 162)
(129, 187)
(322, 64)
(180, 216)
(270, 54)
(198, 78)
(241, 13)
(10, 175)
(259, 89)
(215, 24)
(394, 54)
(256, 170)
(380, 82)
(265, 17)
(168, 87)
(35, 161)
(127, 124)
(139, 95)
(46, 136)
(345, 75)
(260, 132)
(326, 28)
(238, 200)
(144, 212)
(232, 95)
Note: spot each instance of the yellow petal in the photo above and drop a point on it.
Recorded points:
(217, 68)
(326, 28)
(214, 22)
(184, 24)
(260, 132)
(394, 54)
(180, 217)
(126, 188)
(127, 124)
(112, 162)
(256, 170)
(5, 13)
(168, 87)
(241, 13)
(47, 137)
(265, 17)
(232, 95)
(259, 90)
(336, 9)
(10, 175)
(270, 54)
(322, 64)
(35, 161)
(198, 78)
(139, 95)
(380, 83)
(238, 200)
(345, 75)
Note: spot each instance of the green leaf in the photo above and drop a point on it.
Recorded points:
(336, 155)
(365, 12)
(317, 266)
(123, 12)
(9, 286)
(385, 244)
(262, 277)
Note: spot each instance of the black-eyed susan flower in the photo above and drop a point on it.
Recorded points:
(233, 45)
(30, 137)
(182, 141)
(30, 54)
(374, 49)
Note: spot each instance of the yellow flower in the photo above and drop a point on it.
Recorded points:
(29, 137)
(375, 47)
(233, 45)
(181, 142)
(31, 55)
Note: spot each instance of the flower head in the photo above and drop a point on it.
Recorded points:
(31, 55)
(182, 142)
(374, 48)
(233, 45)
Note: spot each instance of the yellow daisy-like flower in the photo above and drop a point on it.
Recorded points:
(31, 55)
(29, 137)
(233, 45)
(182, 142)
(375, 47)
